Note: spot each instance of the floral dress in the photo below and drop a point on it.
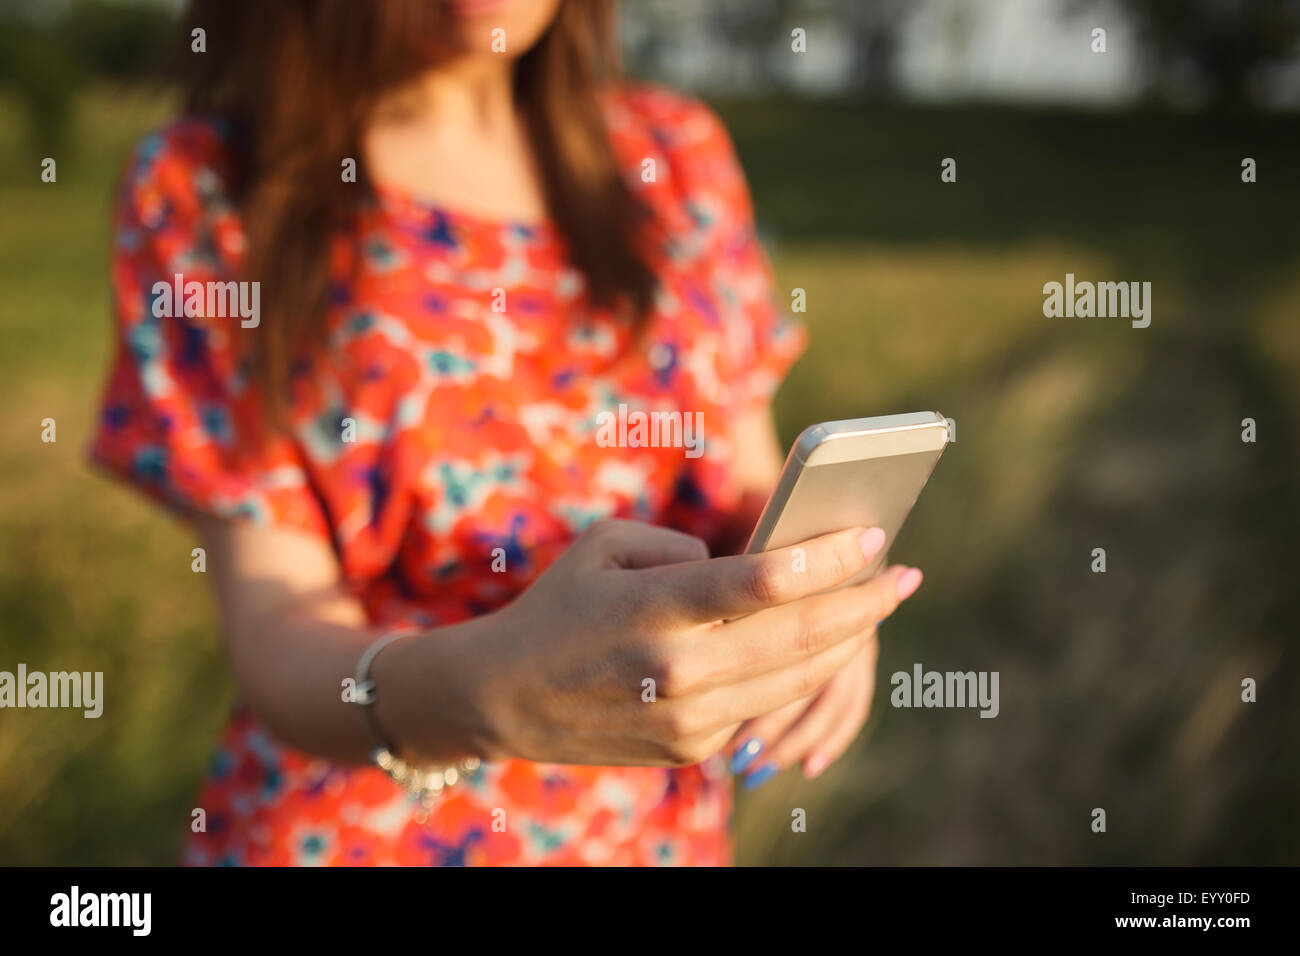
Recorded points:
(445, 446)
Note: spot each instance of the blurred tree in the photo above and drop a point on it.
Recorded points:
(126, 41)
(49, 51)
(749, 28)
(1217, 47)
(874, 29)
(45, 78)
(743, 45)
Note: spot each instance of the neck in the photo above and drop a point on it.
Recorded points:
(468, 93)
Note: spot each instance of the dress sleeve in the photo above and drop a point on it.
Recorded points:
(179, 419)
(761, 339)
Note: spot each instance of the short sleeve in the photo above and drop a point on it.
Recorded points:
(760, 339)
(179, 419)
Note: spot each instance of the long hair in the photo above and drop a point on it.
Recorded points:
(297, 79)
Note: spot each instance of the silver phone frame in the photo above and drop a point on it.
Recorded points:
(868, 431)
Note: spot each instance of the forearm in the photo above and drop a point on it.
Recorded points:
(294, 634)
(296, 671)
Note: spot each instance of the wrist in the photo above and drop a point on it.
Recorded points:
(430, 695)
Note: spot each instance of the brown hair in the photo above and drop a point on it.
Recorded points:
(297, 78)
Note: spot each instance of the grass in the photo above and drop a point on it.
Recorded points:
(1119, 691)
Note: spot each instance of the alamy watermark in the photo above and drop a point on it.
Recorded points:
(1102, 300)
(638, 429)
(242, 300)
(77, 689)
(74, 908)
(946, 689)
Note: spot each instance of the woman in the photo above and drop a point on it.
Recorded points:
(466, 248)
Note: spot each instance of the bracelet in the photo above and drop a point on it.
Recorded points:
(423, 785)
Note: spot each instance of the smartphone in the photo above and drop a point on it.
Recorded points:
(864, 472)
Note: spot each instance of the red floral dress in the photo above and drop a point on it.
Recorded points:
(472, 374)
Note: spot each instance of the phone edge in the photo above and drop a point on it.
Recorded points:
(809, 439)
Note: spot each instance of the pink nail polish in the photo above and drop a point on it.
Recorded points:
(908, 582)
(871, 542)
(814, 765)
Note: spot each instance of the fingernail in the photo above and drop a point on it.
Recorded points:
(871, 542)
(814, 765)
(761, 776)
(908, 582)
(743, 757)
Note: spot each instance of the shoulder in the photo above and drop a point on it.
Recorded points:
(174, 208)
(683, 126)
(687, 136)
(660, 107)
(177, 175)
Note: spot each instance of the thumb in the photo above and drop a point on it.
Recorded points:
(616, 543)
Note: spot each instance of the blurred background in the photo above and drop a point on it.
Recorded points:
(1119, 690)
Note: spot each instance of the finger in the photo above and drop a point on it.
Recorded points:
(812, 729)
(635, 544)
(816, 722)
(836, 742)
(781, 637)
(841, 708)
(753, 737)
(730, 587)
(842, 735)
(775, 689)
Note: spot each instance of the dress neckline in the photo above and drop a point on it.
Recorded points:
(406, 206)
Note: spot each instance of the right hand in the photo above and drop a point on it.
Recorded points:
(561, 670)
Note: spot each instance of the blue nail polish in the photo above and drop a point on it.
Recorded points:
(761, 776)
(743, 757)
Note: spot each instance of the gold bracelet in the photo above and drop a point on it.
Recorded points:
(423, 785)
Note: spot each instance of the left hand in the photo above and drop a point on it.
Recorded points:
(814, 731)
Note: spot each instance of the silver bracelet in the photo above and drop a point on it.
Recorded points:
(423, 784)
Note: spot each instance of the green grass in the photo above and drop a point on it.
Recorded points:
(1118, 690)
